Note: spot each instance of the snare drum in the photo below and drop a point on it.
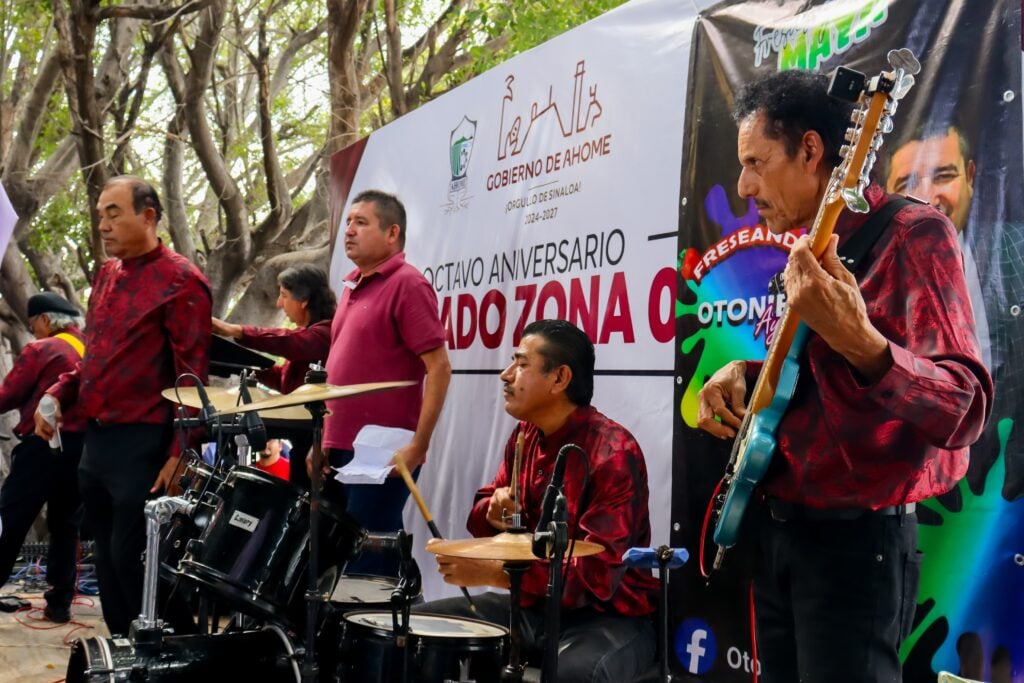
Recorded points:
(364, 592)
(254, 551)
(441, 649)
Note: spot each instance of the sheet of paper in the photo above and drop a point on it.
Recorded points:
(374, 448)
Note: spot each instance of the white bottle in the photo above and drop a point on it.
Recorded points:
(48, 409)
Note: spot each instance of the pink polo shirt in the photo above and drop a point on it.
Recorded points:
(384, 322)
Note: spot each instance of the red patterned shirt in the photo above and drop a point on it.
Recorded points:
(298, 347)
(148, 322)
(38, 366)
(614, 515)
(845, 443)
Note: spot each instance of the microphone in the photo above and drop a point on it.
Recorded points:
(547, 506)
(253, 425)
(207, 411)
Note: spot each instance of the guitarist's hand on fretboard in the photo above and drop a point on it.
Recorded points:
(723, 397)
(827, 299)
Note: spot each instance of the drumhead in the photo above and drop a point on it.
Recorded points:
(364, 589)
(429, 625)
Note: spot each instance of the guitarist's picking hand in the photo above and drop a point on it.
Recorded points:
(720, 406)
(826, 297)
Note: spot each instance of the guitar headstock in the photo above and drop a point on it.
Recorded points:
(877, 99)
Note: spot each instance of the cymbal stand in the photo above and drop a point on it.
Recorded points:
(310, 668)
(513, 671)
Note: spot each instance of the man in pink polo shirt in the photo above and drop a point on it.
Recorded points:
(386, 328)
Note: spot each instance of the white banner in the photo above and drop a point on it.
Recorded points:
(547, 187)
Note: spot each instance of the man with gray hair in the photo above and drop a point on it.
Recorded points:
(41, 474)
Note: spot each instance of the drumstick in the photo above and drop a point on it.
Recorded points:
(516, 464)
(421, 504)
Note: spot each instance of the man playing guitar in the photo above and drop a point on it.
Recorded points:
(890, 393)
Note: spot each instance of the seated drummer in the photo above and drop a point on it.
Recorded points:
(307, 299)
(606, 629)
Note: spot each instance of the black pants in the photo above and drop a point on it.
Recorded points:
(378, 508)
(834, 599)
(592, 647)
(118, 468)
(39, 475)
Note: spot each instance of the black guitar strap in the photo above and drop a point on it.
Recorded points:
(857, 247)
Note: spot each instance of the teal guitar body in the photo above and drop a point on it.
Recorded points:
(757, 446)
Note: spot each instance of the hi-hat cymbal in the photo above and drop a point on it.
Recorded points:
(224, 398)
(504, 546)
(309, 393)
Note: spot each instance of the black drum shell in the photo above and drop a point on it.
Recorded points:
(265, 656)
(368, 653)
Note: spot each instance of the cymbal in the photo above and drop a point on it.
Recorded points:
(308, 393)
(224, 398)
(505, 547)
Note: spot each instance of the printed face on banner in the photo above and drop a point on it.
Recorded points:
(934, 169)
(529, 390)
(786, 190)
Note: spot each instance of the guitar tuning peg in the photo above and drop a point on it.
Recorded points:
(902, 87)
(905, 60)
(885, 125)
(844, 151)
(876, 142)
(869, 163)
(854, 199)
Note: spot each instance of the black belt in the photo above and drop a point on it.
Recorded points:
(782, 511)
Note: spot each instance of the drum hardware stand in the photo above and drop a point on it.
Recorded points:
(662, 558)
(310, 669)
(410, 583)
(147, 631)
(665, 556)
(513, 671)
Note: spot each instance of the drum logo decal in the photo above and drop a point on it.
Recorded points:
(243, 521)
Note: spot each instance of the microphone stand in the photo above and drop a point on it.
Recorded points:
(310, 668)
(550, 541)
(557, 537)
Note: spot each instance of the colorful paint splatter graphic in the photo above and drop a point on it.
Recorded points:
(975, 605)
(729, 300)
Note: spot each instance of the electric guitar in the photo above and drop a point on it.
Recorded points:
(755, 442)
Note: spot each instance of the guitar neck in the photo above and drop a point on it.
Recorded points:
(831, 206)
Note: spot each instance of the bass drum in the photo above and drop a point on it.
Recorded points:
(441, 649)
(265, 655)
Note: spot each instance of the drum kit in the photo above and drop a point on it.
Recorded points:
(241, 539)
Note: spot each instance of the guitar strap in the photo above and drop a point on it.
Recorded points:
(857, 247)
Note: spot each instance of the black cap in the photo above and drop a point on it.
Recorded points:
(48, 302)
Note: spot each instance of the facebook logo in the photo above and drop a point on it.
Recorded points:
(695, 646)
